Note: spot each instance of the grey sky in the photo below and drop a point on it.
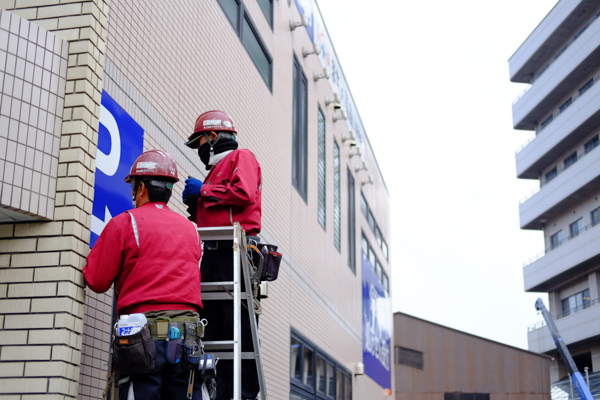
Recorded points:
(430, 80)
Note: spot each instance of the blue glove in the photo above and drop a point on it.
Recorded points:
(192, 187)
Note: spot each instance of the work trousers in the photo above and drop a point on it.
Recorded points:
(217, 266)
(167, 382)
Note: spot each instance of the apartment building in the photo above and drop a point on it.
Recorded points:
(560, 62)
(88, 85)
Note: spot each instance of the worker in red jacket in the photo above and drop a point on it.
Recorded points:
(231, 192)
(152, 255)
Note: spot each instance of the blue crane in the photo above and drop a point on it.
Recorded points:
(576, 377)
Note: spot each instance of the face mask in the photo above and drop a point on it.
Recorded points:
(204, 153)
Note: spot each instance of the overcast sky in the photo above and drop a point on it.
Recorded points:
(438, 70)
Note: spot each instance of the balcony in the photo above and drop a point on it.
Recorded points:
(573, 258)
(560, 194)
(562, 21)
(568, 128)
(574, 328)
(561, 78)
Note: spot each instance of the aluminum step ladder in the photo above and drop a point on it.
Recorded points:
(227, 290)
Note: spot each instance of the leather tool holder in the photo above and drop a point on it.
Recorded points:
(134, 354)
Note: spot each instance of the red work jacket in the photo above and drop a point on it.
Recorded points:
(161, 272)
(232, 193)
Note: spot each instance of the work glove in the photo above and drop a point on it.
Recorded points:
(192, 188)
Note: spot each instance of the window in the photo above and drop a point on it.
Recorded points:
(595, 216)
(364, 245)
(587, 85)
(371, 220)
(337, 222)
(556, 240)
(466, 396)
(378, 236)
(572, 159)
(321, 153)
(363, 205)
(256, 49)
(576, 227)
(408, 357)
(385, 281)
(267, 8)
(351, 223)
(551, 174)
(565, 105)
(231, 8)
(242, 24)
(299, 133)
(591, 144)
(384, 249)
(547, 121)
(576, 302)
(314, 375)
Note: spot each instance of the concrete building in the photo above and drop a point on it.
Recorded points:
(88, 85)
(560, 62)
(434, 362)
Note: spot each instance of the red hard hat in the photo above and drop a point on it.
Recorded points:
(153, 163)
(214, 120)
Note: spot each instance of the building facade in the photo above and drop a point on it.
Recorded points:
(434, 362)
(88, 85)
(560, 62)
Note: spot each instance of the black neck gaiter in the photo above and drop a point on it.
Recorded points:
(222, 145)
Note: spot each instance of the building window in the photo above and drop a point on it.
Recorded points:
(314, 375)
(256, 49)
(576, 302)
(371, 220)
(363, 205)
(299, 130)
(351, 223)
(587, 85)
(368, 252)
(576, 227)
(591, 144)
(408, 357)
(572, 159)
(364, 245)
(556, 240)
(595, 216)
(384, 249)
(337, 218)
(321, 152)
(385, 281)
(466, 396)
(565, 105)
(551, 174)
(243, 26)
(547, 121)
(267, 8)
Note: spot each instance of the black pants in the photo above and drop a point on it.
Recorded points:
(168, 381)
(217, 266)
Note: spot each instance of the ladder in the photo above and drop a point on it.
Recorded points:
(227, 290)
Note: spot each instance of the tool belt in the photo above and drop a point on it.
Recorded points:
(159, 326)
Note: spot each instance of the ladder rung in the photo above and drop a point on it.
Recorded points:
(216, 233)
(218, 345)
(216, 286)
(244, 355)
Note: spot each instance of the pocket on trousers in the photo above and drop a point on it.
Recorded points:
(134, 354)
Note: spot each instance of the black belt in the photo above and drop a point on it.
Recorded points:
(218, 245)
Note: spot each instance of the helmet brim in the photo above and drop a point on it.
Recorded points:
(194, 140)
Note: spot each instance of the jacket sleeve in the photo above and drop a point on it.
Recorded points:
(105, 260)
(242, 186)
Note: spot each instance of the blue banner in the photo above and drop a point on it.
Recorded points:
(120, 142)
(377, 326)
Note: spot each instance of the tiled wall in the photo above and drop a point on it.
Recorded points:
(33, 71)
(42, 297)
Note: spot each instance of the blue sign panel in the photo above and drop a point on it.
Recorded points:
(377, 329)
(120, 142)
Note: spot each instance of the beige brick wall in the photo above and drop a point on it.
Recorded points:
(40, 269)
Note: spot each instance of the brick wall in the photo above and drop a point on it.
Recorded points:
(40, 266)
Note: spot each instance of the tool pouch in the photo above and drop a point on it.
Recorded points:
(272, 261)
(191, 347)
(174, 343)
(207, 366)
(134, 354)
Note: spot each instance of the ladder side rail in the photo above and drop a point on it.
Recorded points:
(237, 305)
(249, 293)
